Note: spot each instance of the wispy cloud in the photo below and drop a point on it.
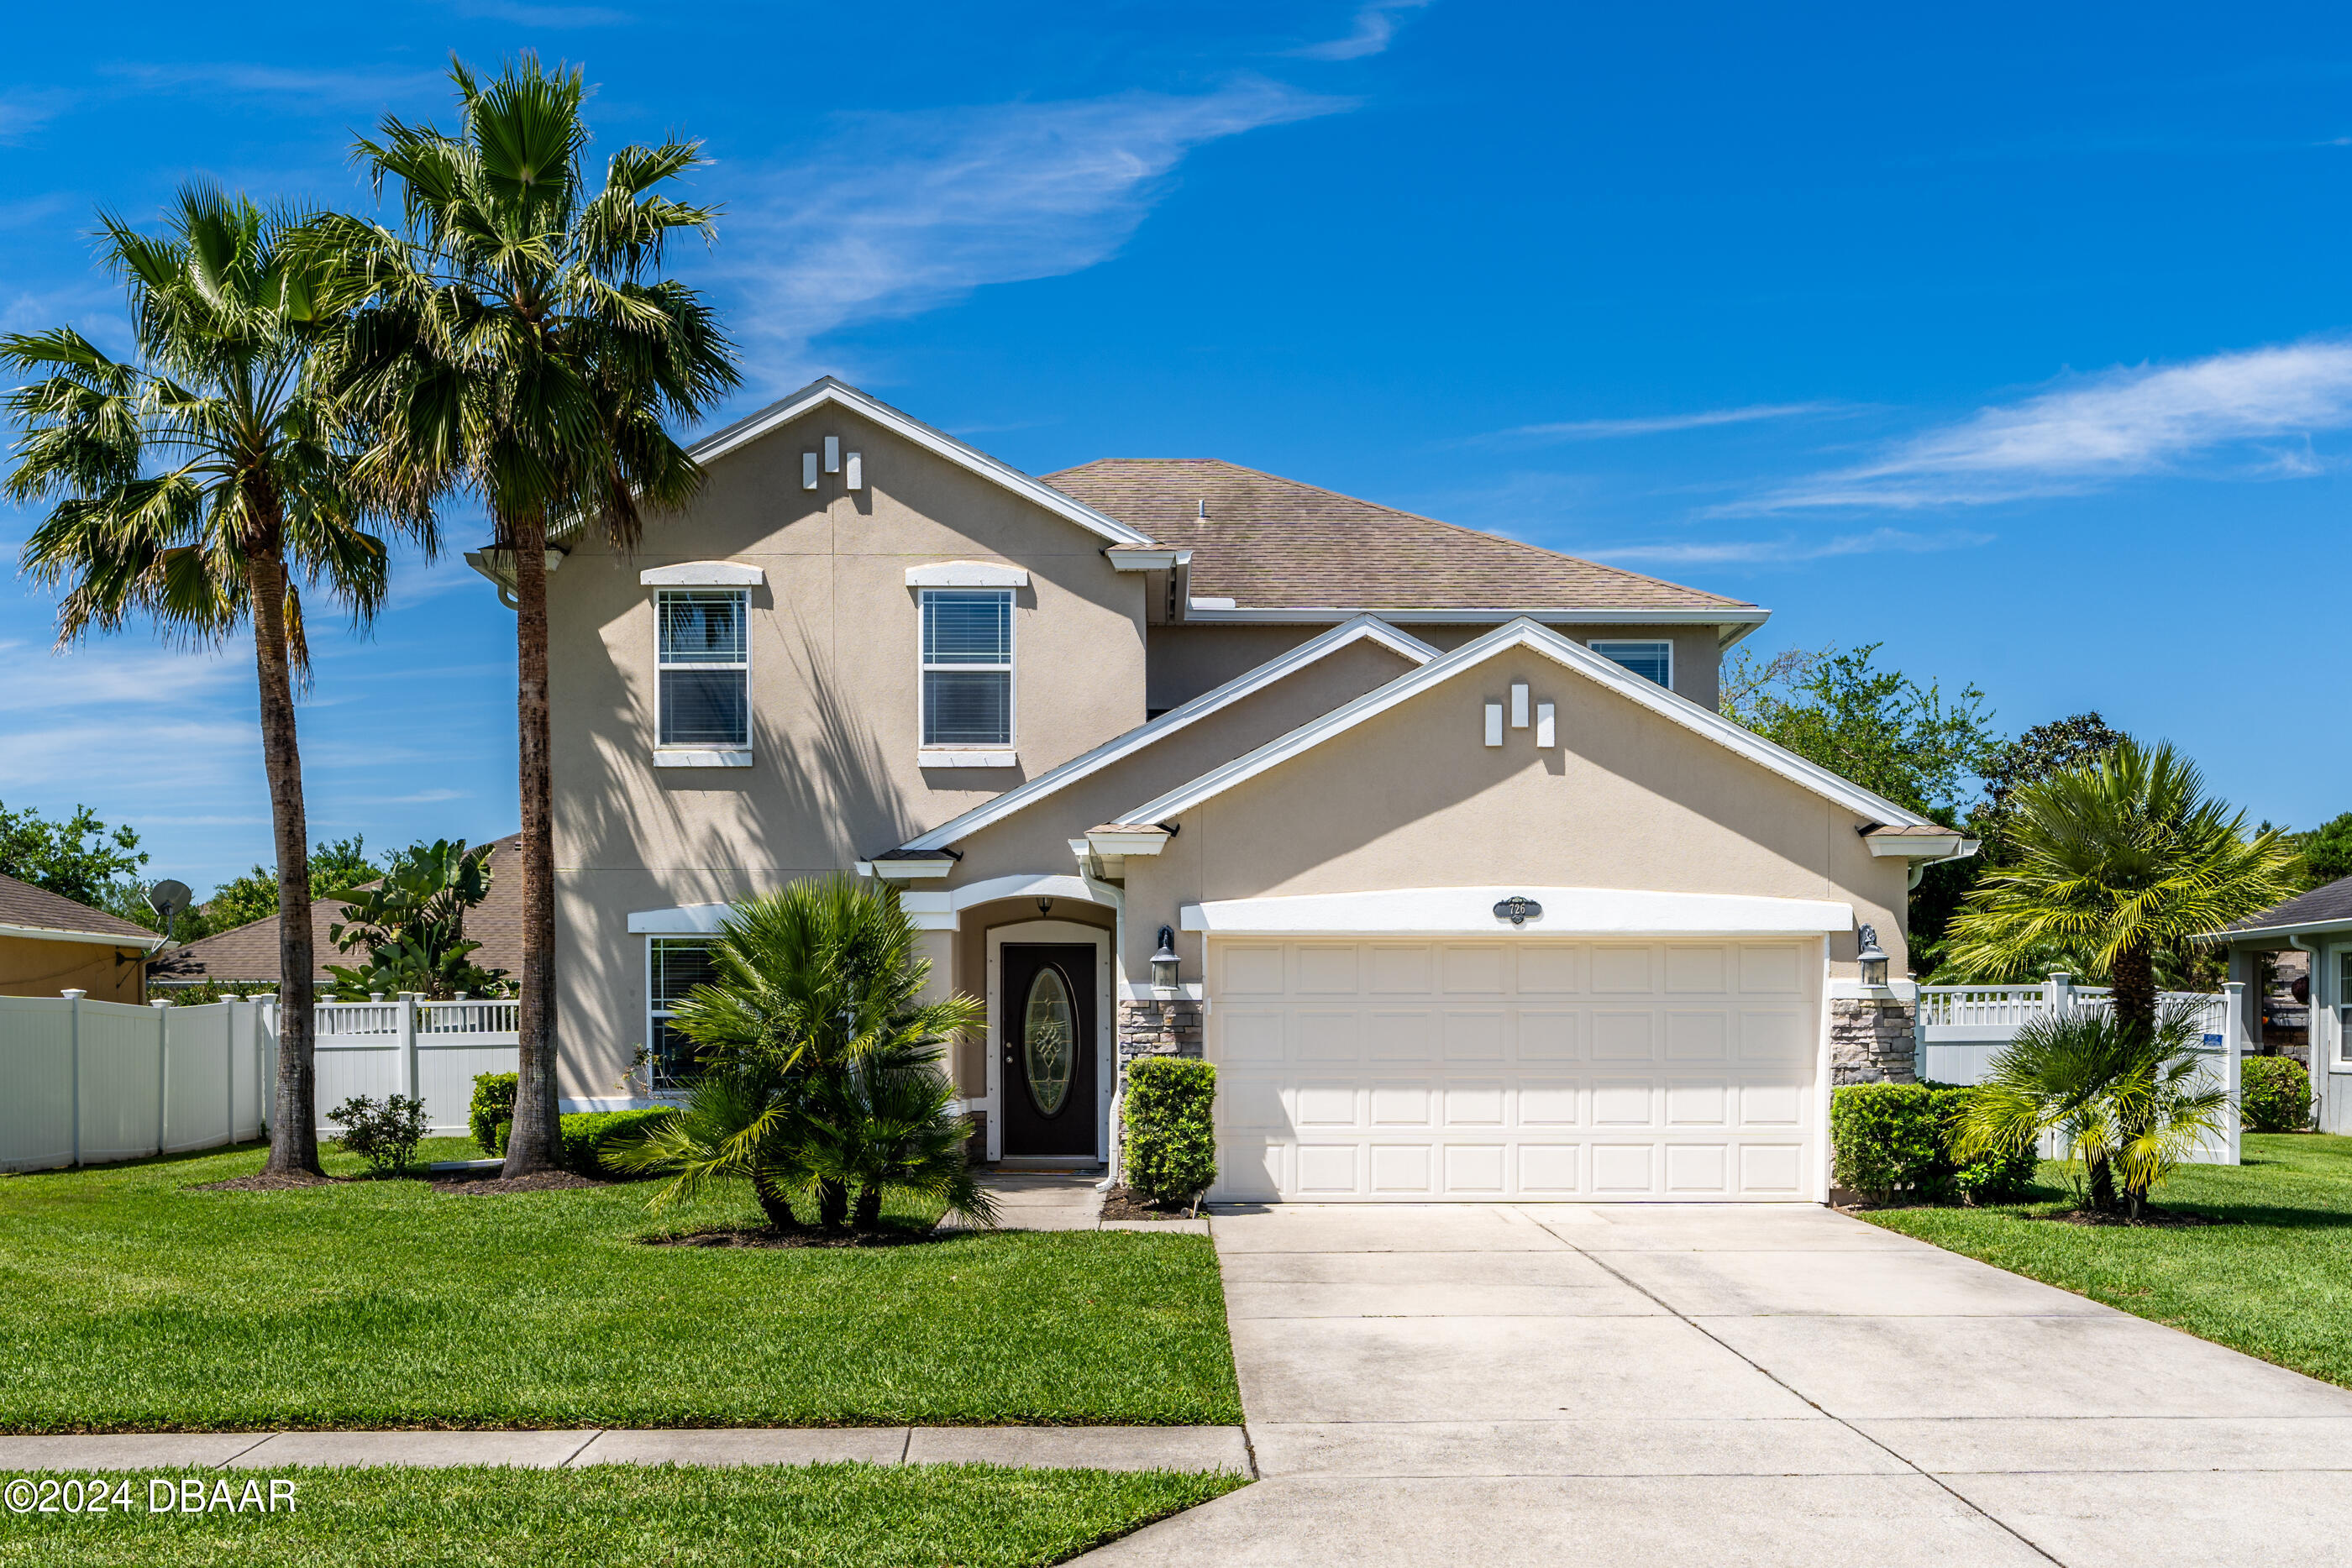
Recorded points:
(23, 112)
(2246, 414)
(1374, 29)
(368, 89)
(1789, 549)
(544, 15)
(1658, 425)
(906, 211)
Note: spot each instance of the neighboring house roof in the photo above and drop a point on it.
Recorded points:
(827, 389)
(36, 912)
(1526, 633)
(248, 953)
(1269, 543)
(2323, 907)
(1176, 718)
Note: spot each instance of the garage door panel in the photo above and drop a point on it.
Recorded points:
(1250, 969)
(1545, 1069)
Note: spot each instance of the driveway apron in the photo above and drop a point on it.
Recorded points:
(1754, 1385)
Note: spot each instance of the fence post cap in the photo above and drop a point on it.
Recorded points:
(73, 996)
(158, 1002)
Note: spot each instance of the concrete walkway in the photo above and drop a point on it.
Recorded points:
(1043, 1448)
(1655, 1385)
(1057, 1200)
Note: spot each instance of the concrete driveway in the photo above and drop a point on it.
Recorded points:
(1671, 1385)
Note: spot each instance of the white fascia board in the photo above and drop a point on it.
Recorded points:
(2296, 928)
(1371, 627)
(1040, 886)
(1526, 633)
(827, 389)
(687, 919)
(912, 870)
(1747, 616)
(1914, 846)
(1108, 842)
(703, 574)
(1566, 912)
(1148, 558)
(967, 574)
(101, 938)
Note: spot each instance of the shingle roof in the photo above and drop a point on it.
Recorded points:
(1273, 543)
(248, 953)
(2332, 902)
(22, 903)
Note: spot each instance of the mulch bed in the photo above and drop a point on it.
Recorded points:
(2150, 1218)
(266, 1181)
(453, 1184)
(1125, 1203)
(763, 1236)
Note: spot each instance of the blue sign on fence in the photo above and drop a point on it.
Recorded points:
(2213, 1042)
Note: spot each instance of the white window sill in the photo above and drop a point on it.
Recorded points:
(943, 758)
(702, 757)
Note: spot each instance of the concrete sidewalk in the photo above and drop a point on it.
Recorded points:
(1043, 1447)
(1651, 1384)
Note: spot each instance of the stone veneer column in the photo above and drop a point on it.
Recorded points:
(1158, 1029)
(1872, 1042)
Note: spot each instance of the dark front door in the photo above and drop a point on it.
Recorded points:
(1045, 1037)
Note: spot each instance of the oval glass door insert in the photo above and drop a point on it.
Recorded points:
(1048, 1040)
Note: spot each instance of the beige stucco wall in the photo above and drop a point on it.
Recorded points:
(33, 966)
(1189, 659)
(835, 694)
(1413, 798)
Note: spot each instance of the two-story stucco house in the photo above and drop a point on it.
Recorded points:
(1433, 841)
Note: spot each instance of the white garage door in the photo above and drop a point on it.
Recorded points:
(1535, 1070)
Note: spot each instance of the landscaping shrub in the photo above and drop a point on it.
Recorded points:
(1894, 1140)
(492, 1111)
(2275, 1094)
(384, 1134)
(1171, 1139)
(585, 1132)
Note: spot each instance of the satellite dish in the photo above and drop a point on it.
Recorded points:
(167, 898)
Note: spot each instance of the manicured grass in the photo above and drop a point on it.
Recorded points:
(2276, 1282)
(128, 1302)
(822, 1516)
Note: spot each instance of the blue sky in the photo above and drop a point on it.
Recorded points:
(2017, 338)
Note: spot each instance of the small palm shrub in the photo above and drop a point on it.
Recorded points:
(2126, 1100)
(818, 1077)
(2275, 1094)
(1170, 1147)
(385, 1134)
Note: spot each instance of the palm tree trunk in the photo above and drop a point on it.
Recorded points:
(2135, 982)
(2102, 1188)
(868, 1214)
(534, 1144)
(294, 1110)
(832, 1203)
(774, 1203)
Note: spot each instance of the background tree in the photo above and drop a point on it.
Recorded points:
(2118, 858)
(81, 858)
(202, 483)
(336, 867)
(2326, 851)
(514, 338)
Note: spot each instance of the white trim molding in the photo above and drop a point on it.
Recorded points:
(942, 757)
(703, 574)
(1566, 912)
(1910, 843)
(910, 869)
(44, 934)
(828, 391)
(1413, 650)
(1148, 558)
(1526, 633)
(685, 920)
(1126, 839)
(702, 757)
(967, 574)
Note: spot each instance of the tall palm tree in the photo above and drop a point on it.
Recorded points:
(203, 482)
(2117, 859)
(817, 1063)
(512, 337)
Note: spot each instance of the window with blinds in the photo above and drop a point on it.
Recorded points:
(967, 666)
(704, 670)
(1651, 661)
(674, 965)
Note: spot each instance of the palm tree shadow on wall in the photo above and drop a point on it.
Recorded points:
(810, 804)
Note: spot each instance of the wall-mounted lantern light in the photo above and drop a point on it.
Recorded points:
(1873, 961)
(1164, 980)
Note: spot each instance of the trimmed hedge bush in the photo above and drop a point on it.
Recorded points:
(1893, 1140)
(2273, 1095)
(585, 1132)
(492, 1111)
(1170, 1147)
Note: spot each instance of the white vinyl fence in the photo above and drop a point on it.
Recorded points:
(1962, 1027)
(89, 1082)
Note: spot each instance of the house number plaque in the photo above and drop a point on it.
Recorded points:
(1518, 910)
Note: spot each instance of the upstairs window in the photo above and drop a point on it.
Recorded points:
(1651, 661)
(706, 668)
(967, 666)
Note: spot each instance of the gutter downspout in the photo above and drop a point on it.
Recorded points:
(1117, 898)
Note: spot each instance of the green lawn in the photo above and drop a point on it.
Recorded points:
(130, 1303)
(2276, 1282)
(620, 1516)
